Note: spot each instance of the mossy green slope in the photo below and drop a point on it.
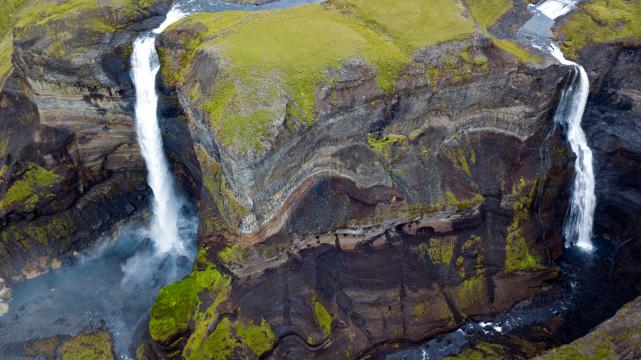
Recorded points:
(96, 346)
(487, 12)
(280, 56)
(601, 21)
(30, 188)
(176, 303)
(9, 11)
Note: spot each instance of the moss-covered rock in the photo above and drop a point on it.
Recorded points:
(520, 253)
(88, 346)
(601, 21)
(322, 317)
(173, 311)
(30, 188)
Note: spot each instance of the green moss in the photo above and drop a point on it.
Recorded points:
(442, 250)
(487, 12)
(259, 338)
(459, 158)
(322, 317)
(201, 344)
(464, 203)
(601, 21)
(439, 250)
(519, 255)
(56, 230)
(385, 147)
(219, 345)
(287, 54)
(28, 190)
(96, 346)
(176, 302)
(519, 52)
(227, 337)
(232, 254)
(419, 310)
(472, 292)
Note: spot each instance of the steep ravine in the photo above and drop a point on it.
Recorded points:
(395, 209)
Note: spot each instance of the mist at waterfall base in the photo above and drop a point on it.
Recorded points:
(114, 286)
(96, 292)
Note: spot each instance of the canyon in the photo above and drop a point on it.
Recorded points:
(366, 175)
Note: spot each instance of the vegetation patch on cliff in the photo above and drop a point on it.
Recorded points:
(484, 351)
(601, 21)
(63, 28)
(519, 252)
(487, 12)
(9, 10)
(88, 346)
(176, 302)
(28, 190)
(322, 317)
(288, 53)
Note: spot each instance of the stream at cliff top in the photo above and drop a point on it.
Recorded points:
(114, 286)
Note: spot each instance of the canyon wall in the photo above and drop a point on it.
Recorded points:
(389, 217)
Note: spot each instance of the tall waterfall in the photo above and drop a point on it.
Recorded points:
(580, 219)
(166, 206)
(578, 224)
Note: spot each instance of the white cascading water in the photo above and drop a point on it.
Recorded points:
(166, 206)
(580, 219)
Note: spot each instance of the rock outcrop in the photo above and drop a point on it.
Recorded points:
(380, 216)
(70, 166)
(616, 338)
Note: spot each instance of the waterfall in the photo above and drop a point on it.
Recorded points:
(580, 218)
(166, 205)
(578, 224)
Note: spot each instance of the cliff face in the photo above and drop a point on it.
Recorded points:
(613, 121)
(354, 194)
(389, 216)
(70, 164)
